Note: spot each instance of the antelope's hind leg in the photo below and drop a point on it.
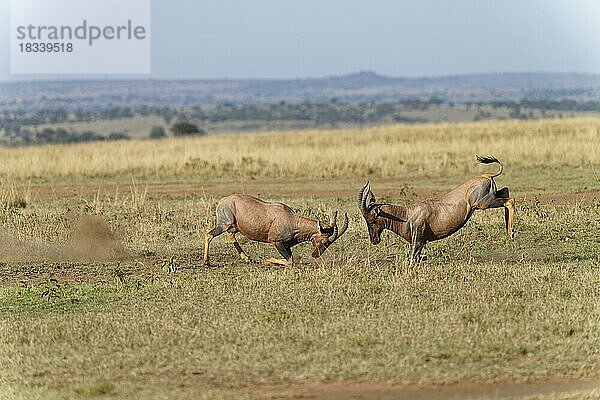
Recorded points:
(501, 198)
(231, 235)
(509, 216)
(225, 222)
(208, 237)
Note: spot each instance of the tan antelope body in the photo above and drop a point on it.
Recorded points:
(271, 223)
(437, 219)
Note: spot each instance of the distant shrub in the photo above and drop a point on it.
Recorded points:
(86, 136)
(186, 128)
(157, 132)
(60, 135)
(118, 136)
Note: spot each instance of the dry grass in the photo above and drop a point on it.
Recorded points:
(14, 195)
(481, 308)
(156, 324)
(390, 151)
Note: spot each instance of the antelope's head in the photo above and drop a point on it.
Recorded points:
(327, 235)
(373, 214)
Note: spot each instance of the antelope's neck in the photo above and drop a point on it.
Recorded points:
(306, 228)
(397, 211)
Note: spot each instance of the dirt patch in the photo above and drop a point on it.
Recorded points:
(382, 391)
(135, 268)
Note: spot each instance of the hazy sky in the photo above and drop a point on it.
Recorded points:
(301, 38)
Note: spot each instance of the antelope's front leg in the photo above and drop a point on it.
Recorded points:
(509, 216)
(278, 261)
(285, 251)
(417, 232)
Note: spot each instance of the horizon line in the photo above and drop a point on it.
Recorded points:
(122, 78)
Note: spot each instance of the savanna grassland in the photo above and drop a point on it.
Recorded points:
(103, 293)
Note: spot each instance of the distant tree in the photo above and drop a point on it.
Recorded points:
(118, 136)
(157, 132)
(434, 100)
(87, 136)
(516, 113)
(186, 128)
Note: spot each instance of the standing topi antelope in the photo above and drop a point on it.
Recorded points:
(436, 219)
(271, 223)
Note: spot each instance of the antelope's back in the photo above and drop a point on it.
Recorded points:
(255, 218)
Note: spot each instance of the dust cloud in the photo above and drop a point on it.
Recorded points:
(91, 240)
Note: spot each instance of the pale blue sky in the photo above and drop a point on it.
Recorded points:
(313, 38)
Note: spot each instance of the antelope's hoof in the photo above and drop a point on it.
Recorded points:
(246, 259)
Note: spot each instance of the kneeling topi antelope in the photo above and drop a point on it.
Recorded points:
(271, 223)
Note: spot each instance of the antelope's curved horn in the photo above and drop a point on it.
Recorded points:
(333, 218)
(363, 196)
(337, 233)
(333, 223)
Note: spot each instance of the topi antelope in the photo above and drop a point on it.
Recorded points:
(436, 219)
(271, 223)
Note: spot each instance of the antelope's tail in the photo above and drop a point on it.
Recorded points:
(491, 160)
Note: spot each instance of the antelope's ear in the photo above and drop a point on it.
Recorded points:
(321, 229)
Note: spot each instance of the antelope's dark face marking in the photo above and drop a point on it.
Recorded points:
(321, 241)
(327, 235)
(371, 213)
(375, 229)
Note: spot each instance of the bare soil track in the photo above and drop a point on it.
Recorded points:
(89, 272)
(284, 188)
(462, 390)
